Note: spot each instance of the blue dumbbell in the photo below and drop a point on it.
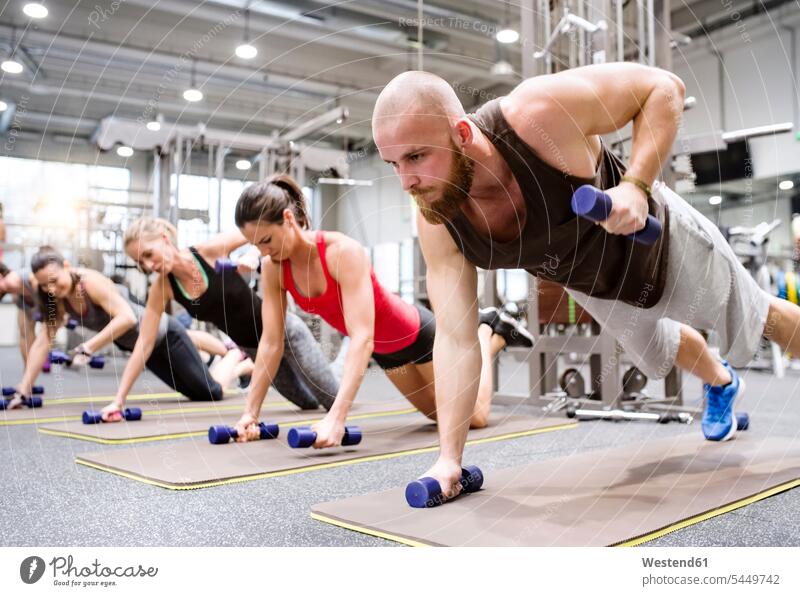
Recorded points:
(302, 436)
(592, 203)
(32, 402)
(742, 421)
(223, 265)
(221, 434)
(426, 491)
(71, 323)
(95, 417)
(36, 390)
(58, 357)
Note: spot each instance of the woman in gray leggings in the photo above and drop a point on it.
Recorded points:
(196, 278)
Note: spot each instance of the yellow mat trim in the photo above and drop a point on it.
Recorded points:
(371, 532)
(138, 397)
(314, 467)
(187, 409)
(135, 397)
(709, 514)
(69, 435)
(196, 433)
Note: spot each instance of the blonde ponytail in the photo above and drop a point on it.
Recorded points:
(149, 227)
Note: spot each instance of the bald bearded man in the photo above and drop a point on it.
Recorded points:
(494, 191)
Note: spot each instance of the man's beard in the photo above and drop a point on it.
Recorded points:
(454, 195)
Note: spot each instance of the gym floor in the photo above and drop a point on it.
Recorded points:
(51, 501)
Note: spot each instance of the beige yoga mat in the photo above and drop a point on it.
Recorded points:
(622, 496)
(198, 464)
(161, 425)
(70, 408)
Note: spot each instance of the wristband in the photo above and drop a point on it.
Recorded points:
(636, 182)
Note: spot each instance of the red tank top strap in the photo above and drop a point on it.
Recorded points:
(288, 282)
(319, 237)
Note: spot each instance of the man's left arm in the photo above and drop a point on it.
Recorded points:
(575, 105)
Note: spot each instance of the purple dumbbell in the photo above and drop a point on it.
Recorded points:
(59, 357)
(95, 417)
(742, 421)
(221, 434)
(302, 436)
(33, 401)
(36, 390)
(426, 492)
(223, 265)
(592, 203)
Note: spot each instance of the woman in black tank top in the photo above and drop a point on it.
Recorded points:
(21, 288)
(218, 295)
(96, 303)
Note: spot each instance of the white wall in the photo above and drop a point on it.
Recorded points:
(378, 213)
(757, 88)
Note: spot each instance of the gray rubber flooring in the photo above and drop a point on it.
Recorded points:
(51, 501)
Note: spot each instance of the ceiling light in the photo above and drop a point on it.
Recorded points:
(155, 124)
(193, 95)
(715, 200)
(124, 151)
(786, 185)
(11, 66)
(243, 164)
(35, 10)
(507, 35)
(246, 51)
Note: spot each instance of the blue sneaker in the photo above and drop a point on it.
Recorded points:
(719, 419)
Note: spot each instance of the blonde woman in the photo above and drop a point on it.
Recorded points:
(195, 279)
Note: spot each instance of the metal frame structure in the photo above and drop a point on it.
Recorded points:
(592, 31)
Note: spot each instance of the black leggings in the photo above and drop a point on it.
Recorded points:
(176, 361)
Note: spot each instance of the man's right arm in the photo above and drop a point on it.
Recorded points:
(452, 289)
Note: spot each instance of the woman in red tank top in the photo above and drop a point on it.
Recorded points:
(329, 274)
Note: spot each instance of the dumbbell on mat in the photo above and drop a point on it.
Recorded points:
(95, 417)
(426, 492)
(36, 390)
(58, 357)
(32, 402)
(742, 421)
(221, 434)
(303, 436)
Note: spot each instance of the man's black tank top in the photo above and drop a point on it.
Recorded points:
(555, 244)
(228, 303)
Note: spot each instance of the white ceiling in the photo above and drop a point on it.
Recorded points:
(95, 58)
